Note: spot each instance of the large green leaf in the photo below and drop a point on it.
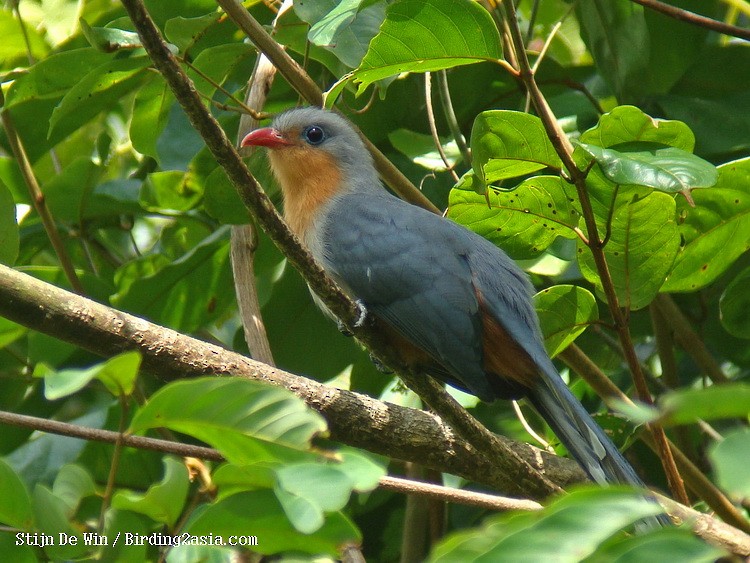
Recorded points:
(564, 313)
(16, 34)
(150, 113)
(72, 484)
(731, 458)
(420, 36)
(617, 38)
(163, 502)
(508, 144)
(668, 544)
(569, 530)
(100, 89)
(344, 28)
(628, 124)
(118, 374)
(524, 221)
(245, 420)
(715, 232)
(640, 251)
(667, 169)
(259, 513)
(15, 510)
(51, 519)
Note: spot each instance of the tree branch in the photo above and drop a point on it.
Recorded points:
(695, 19)
(704, 526)
(353, 419)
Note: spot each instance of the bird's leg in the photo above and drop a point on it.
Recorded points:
(358, 323)
(380, 366)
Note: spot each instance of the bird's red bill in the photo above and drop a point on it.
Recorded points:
(266, 137)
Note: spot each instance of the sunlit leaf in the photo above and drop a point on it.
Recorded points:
(164, 500)
(419, 36)
(524, 221)
(15, 510)
(508, 144)
(720, 401)
(715, 232)
(108, 39)
(564, 313)
(245, 420)
(640, 251)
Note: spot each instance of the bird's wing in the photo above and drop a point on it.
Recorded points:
(409, 268)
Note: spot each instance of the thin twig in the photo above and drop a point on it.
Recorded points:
(450, 117)
(695, 19)
(37, 197)
(115, 464)
(688, 339)
(433, 125)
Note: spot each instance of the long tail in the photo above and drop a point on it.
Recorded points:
(583, 437)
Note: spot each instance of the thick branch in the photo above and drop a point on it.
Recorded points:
(354, 419)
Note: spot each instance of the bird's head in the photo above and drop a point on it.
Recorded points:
(314, 145)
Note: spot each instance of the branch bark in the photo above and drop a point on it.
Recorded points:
(353, 419)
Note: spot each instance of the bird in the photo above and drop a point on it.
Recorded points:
(453, 305)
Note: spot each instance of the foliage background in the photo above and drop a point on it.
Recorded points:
(142, 210)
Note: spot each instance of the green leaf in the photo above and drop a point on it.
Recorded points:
(524, 221)
(108, 39)
(52, 77)
(72, 484)
(667, 169)
(100, 89)
(617, 38)
(245, 420)
(685, 406)
(217, 63)
(50, 515)
(508, 144)
(344, 28)
(170, 190)
(150, 113)
(719, 220)
(643, 244)
(730, 459)
(222, 201)
(420, 36)
(118, 374)
(361, 469)
(183, 32)
(15, 510)
(9, 237)
(183, 294)
(420, 149)
(260, 513)
(15, 34)
(734, 305)
(628, 124)
(667, 544)
(564, 313)
(570, 529)
(164, 500)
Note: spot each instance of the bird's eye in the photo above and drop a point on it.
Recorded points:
(314, 135)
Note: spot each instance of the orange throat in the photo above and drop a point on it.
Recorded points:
(309, 178)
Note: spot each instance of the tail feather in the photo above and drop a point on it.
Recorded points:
(583, 437)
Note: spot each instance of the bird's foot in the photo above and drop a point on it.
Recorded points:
(380, 366)
(359, 321)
